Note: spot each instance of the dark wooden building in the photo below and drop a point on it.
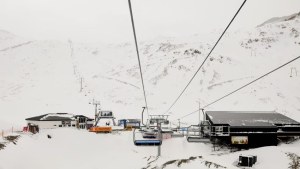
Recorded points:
(250, 128)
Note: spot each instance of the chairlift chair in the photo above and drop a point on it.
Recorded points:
(195, 134)
(139, 138)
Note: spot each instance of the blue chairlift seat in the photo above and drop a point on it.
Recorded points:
(147, 142)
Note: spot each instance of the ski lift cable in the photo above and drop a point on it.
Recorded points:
(138, 55)
(205, 58)
(221, 98)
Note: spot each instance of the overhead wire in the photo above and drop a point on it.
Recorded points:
(241, 87)
(205, 58)
(138, 56)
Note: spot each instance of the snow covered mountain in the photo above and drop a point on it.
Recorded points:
(38, 77)
(281, 19)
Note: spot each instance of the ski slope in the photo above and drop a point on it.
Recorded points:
(39, 77)
(79, 149)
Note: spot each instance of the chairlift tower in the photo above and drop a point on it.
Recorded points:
(107, 128)
(293, 69)
(95, 103)
(158, 120)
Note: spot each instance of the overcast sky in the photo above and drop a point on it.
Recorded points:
(109, 20)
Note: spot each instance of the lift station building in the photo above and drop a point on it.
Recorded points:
(251, 128)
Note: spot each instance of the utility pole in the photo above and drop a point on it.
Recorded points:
(81, 81)
(95, 103)
(199, 115)
(199, 112)
(293, 69)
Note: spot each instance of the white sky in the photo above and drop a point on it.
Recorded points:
(109, 20)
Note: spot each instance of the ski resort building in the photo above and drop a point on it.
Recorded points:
(130, 123)
(250, 129)
(57, 120)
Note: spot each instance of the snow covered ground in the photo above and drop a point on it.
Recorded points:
(79, 149)
(39, 77)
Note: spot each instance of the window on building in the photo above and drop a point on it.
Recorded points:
(219, 129)
(73, 125)
(59, 125)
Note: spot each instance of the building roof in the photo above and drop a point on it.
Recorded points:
(249, 118)
(53, 117)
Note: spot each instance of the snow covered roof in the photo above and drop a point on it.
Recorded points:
(250, 118)
(53, 117)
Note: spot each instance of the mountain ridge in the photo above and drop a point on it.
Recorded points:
(53, 76)
(281, 19)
